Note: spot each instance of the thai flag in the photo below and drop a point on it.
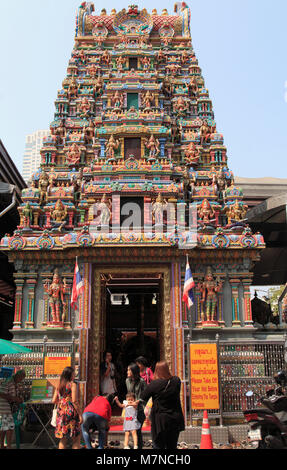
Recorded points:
(188, 285)
(78, 286)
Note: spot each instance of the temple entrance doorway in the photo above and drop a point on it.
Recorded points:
(133, 312)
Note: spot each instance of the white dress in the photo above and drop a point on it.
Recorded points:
(131, 422)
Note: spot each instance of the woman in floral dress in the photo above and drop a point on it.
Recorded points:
(69, 417)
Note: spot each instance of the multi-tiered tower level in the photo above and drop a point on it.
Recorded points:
(134, 124)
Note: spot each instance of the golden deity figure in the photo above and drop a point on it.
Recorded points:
(56, 291)
(147, 99)
(112, 145)
(192, 154)
(209, 289)
(73, 155)
(117, 100)
(235, 212)
(157, 209)
(43, 187)
(152, 145)
(205, 212)
(59, 214)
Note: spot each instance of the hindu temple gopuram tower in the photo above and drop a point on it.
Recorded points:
(133, 139)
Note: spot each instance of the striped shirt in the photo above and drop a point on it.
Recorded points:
(6, 387)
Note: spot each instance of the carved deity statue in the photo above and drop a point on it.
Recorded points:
(192, 154)
(184, 57)
(120, 61)
(56, 291)
(235, 212)
(180, 105)
(205, 212)
(147, 99)
(152, 145)
(205, 132)
(89, 132)
(43, 187)
(193, 87)
(74, 154)
(104, 207)
(27, 215)
(161, 57)
(157, 209)
(117, 100)
(167, 87)
(209, 290)
(93, 70)
(59, 214)
(60, 133)
(106, 58)
(73, 89)
(84, 107)
(145, 61)
(112, 145)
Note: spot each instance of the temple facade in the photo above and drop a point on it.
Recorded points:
(134, 178)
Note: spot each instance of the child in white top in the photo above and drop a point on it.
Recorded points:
(131, 423)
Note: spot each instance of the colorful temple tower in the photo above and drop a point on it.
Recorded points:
(134, 177)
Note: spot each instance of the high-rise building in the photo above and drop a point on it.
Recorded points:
(32, 157)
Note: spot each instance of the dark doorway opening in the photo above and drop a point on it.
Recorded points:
(133, 63)
(132, 323)
(132, 147)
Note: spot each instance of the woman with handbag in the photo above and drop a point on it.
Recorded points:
(69, 417)
(166, 415)
(135, 384)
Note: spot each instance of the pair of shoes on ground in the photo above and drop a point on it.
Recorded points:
(128, 447)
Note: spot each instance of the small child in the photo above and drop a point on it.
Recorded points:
(131, 423)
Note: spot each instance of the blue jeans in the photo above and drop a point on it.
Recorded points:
(92, 420)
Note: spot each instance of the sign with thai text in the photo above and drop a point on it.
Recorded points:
(204, 376)
(54, 365)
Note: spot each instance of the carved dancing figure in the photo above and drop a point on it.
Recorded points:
(209, 289)
(73, 89)
(117, 100)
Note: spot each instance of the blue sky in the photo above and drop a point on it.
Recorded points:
(240, 45)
